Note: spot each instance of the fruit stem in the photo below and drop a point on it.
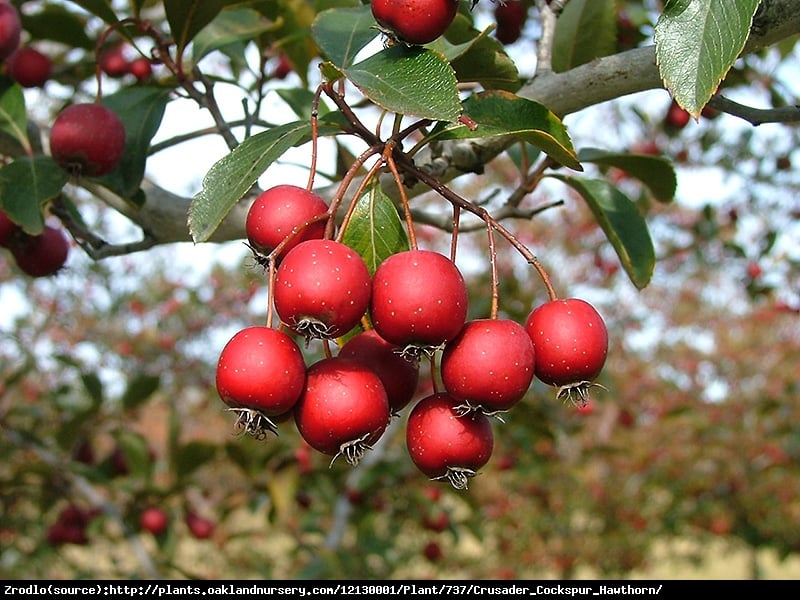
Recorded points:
(493, 267)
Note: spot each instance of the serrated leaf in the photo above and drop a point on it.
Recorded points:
(622, 223)
(654, 172)
(13, 114)
(139, 390)
(697, 42)
(585, 30)
(341, 33)
(411, 81)
(375, 229)
(229, 27)
(141, 109)
(26, 185)
(231, 177)
(192, 456)
(187, 17)
(503, 113)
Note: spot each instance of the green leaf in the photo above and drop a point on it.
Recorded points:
(13, 115)
(187, 17)
(375, 229)
(301, 101)
(697, 42)
(56, 23)
(585, 30)
(139, 389)
(411, 81)
(141, 109)
(26, 185)
(192, 456)
(503, 113)
(341, 33)
(231, 177)
(622, 223)
(654, 172)
(136, 452)
(99, 8)
(94, 386)
(229, 27)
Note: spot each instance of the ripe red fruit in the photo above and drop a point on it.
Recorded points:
(489, 364)
(41, 255)
(10, 29)
(70, 527)
(278, 211)
(114, 63)
(677, 117)
(200, 527)
(7, 229)
(570, 342)
(322, 288)
(414, 21)
(154, 519)
(343, 409)
(283, 68)
(141, 68)
(419, 300)
(398, 374)
(433, 552)
(510, 18)
(445, 443)
(29, 67)
(87, 139)
(260, 374)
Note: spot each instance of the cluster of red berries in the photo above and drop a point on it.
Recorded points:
(24, 64)
(116, 64)
(413, 306)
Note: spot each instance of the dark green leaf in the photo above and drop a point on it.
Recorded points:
(141, 109)
(697, 42)
(13, 116)
(99, 8)
(375, 229)
(229, 27)
(585, 30)
(503, 113)
(139, 389)
(193, 456)
(94, 386)
(623, 225)
(56, 23)
(341, 33)
(187, 17)
(26, 185)
(136, 453)
(655, 172)
(411, 81)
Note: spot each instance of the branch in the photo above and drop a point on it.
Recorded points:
(756, 116)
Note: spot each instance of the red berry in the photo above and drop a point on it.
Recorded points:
(398, 374)
(414, 21)
(419, 300)
(433, 552)
(322, 288)
(29, 67)
(278, 211)
(41, 255)
(677, 117)
(8, 229)
(114, 63)
(87, 139)
(260, 373)
(445, 443)
(510, 18)
(343, 409)
(154, 519)
(200, 527)
(489, 364)
(10, 29)
(570, 342)
(141, 68)
(283, 68)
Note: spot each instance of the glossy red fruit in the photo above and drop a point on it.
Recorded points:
(419, 300)
(200, 527)
(29, 67)
(570, 341)
(141, 68)
(322, 289)
(510, 18)
(8, 229)
(399, 375)
(278, 211)
(87, 139)
(677, 117)
(343, 410)
(414, 21)
(114, 63)
(10, 29)
(41, 255)
(261, 373)
(154, 519)
(489, 364)
(446, 443)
